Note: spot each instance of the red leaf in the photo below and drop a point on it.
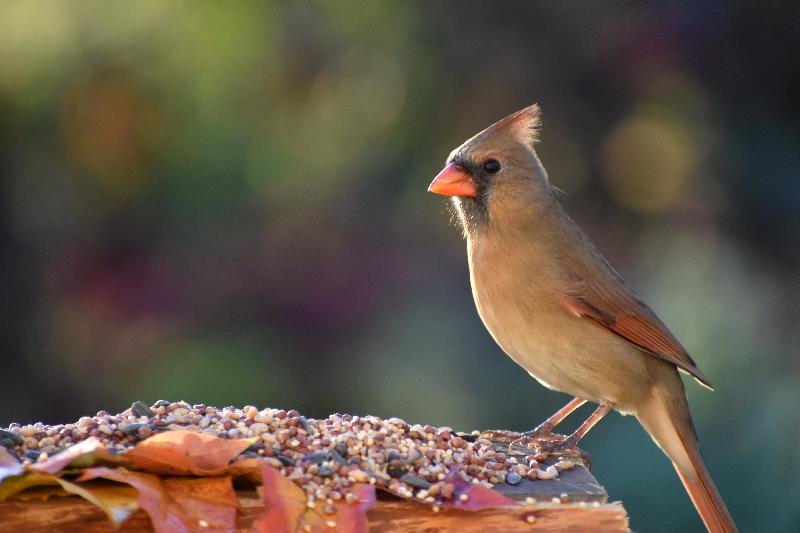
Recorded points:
(284, 503)
(84, 453)
(353, 517)
(148, 487)
(473, 496)
(179, 504)
(209, 502)
(185, 452)
(9, 465)
(246, 468)
(286, 508)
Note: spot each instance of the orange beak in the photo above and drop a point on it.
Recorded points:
(453, 181)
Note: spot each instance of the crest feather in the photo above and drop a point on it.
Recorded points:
(523, 124)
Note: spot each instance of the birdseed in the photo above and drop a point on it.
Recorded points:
(324, 457)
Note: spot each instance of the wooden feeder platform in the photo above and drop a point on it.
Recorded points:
(572, 501)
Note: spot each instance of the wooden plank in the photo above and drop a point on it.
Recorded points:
(70, 514)
(578, 484)
(402, 517)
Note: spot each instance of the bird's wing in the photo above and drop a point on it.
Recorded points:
(615, 307)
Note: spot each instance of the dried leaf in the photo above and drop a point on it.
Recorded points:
(185, 452)
(353, 516)
(40, 493)
(284, 503)
(179, 504)
(16, 484)
(81, 455)
(150, 494)
(9, 465)
(286, 508)
(247, 469)
(117, 501)
(211, 499)
(473, 496)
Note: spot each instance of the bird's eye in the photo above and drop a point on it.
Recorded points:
(492, 166)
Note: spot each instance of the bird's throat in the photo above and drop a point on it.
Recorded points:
(470, 214)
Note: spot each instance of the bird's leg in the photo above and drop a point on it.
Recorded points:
(543, 430)
(583, 429)
(551, 443)
(546, 427)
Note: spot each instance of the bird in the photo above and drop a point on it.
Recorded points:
(559, 310)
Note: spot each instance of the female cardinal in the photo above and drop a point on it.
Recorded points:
(558, 309)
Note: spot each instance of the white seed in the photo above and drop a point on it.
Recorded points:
(549, 473)
(565, 465)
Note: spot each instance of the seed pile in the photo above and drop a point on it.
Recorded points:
(324, 457)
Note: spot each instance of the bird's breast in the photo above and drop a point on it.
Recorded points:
(516, 299)
(512, 299)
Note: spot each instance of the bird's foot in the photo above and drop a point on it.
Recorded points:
(529, 442)
(543, 442)
(537, 441)
(500, 436)
(541, 446)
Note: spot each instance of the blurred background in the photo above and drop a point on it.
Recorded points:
(226, 203)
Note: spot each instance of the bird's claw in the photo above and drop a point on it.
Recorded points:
(542, 443)
(543, 446)
(500, 436)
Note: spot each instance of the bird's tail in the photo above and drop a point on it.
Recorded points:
(666, 418)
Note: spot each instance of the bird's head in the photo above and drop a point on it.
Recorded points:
(495, 176)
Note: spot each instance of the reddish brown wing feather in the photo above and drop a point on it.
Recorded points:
(617, 309)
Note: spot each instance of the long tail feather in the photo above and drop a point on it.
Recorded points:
(698, 483)
(666, 418)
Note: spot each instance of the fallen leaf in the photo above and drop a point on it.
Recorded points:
(43, 492)
(179, 504)
(13, 485)
(473, 496)
(247, 469)
(117, 501)
(211, 499)
(9, 465)
(284, 503)
(185, 452)
(150, 494)
(286, 508)
(81, 455)
(353, 516)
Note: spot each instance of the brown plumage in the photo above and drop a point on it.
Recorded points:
(557, 308)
